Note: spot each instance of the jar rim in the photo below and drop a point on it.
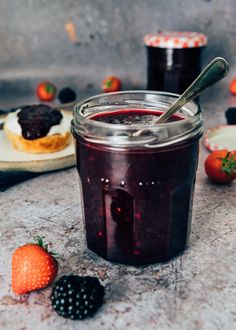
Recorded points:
(137, 92)
(82, 124)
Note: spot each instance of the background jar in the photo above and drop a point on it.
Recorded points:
(173, 59)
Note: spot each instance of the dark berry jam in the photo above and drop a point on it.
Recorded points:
(132, 117)
(36, 120)
(137, 201)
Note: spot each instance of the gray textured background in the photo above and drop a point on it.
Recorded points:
(34, 44)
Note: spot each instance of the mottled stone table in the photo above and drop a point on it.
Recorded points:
(197, 290)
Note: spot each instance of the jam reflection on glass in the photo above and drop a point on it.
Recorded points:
(137, 202)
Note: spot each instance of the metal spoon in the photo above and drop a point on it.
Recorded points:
(214, 72)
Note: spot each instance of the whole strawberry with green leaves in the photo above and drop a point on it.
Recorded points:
(33, 267)
(220, 166)
(111, 84)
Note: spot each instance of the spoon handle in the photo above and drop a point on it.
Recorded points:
(214, 71)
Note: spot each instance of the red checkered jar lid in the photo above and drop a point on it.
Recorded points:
(175, 39)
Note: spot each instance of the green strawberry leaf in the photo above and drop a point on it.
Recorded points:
(228, 164)
(39, 241)
(49, 89)
(108, 83)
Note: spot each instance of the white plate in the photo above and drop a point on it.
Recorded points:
(12, 159)
(221, 137)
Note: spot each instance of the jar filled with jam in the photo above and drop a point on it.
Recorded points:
(137, 206)
(173, 59)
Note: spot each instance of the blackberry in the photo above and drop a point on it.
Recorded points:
(67, 95)
(77, 297)
(230, 115)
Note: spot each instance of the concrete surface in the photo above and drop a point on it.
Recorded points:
(195, 291)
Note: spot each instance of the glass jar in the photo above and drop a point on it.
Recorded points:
(173, 60)
(137, 188)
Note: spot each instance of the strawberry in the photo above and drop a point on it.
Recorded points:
(111, 84)
(46, 91)
(33, 267)
(232, 86)
(220, 166)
